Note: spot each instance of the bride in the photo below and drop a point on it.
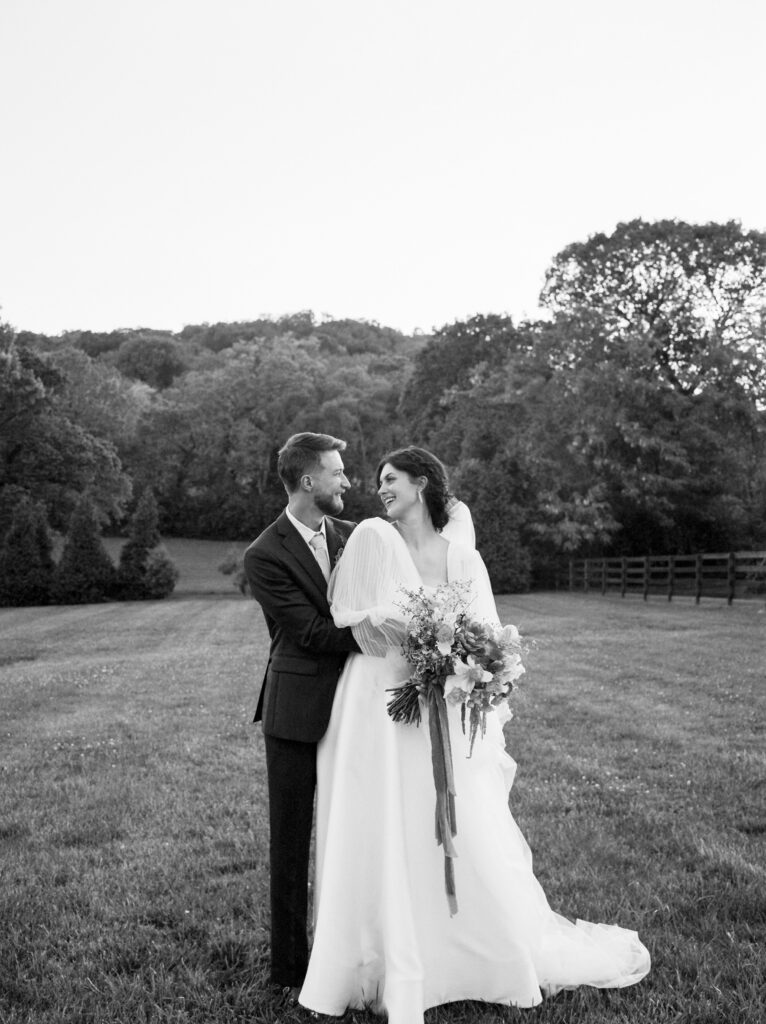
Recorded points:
(384, 936)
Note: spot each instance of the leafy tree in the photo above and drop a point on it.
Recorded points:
(151, 357)
(660, 330)
(95, 344)
(43, 453)
(99, 398)
(446, 365)
(145, 571)
(22, 394)
(220, 336)
(358, 401)
(22, 380)
(26, 561)
(300, 325)
(214, 438)
(85, 573)
(612, 459)
(11, 496)
(56, 457)
(508, 431)
(604, 454)
(492, 493)
(355, 337)
(696, 293)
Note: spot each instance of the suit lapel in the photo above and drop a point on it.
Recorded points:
(335, 541)
(299, 549)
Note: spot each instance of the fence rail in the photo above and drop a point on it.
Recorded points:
(734, 574)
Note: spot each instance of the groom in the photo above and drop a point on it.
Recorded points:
(288, 567)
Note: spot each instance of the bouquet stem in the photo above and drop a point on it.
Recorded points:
(404, 706)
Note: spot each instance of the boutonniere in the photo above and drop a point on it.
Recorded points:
(338, 553)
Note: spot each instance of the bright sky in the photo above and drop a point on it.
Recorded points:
(411, 162)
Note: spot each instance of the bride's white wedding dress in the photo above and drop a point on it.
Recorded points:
(383, 935)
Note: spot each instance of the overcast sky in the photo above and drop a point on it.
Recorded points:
(411, 162)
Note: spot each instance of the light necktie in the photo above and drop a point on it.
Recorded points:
(319, 544)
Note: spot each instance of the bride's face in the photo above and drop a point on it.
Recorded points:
(398, 491)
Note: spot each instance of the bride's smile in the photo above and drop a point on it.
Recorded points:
(398, 492)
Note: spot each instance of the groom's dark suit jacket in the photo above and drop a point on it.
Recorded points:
(307, 650)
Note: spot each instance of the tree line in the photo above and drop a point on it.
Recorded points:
(631, 419)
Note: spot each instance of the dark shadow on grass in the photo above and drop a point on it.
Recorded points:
(13, 831)
(238, 867)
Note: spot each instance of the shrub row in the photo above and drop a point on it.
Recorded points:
(84, 573)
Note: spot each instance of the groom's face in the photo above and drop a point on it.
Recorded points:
(329, 483)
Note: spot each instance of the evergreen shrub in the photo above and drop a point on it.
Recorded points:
(26, 560)
(85, 573)
(146, 571)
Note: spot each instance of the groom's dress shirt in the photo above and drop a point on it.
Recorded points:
(308, 535)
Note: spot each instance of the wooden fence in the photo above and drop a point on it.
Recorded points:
(735, 574)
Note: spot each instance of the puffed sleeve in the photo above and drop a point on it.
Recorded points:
(368, 583)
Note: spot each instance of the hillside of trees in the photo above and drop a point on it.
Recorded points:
(631, 420)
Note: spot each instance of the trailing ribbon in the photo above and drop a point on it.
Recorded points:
(444, 781)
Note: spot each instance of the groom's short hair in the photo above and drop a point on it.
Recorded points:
(300, 455)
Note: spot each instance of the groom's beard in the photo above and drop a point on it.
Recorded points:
(331, 505)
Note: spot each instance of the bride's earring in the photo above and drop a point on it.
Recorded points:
(420, 497)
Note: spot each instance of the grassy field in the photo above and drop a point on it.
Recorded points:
(133, 835)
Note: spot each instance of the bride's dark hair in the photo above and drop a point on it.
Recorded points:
(419, 462)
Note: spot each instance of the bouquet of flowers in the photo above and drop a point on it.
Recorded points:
(473, 663)
(455, 659)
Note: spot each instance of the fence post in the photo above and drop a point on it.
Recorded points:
(603, 576)
(624, 577)
(585, 580)
(646, 577)
(671, 575)
(698, 578)
(571, 574)
(731, 575)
